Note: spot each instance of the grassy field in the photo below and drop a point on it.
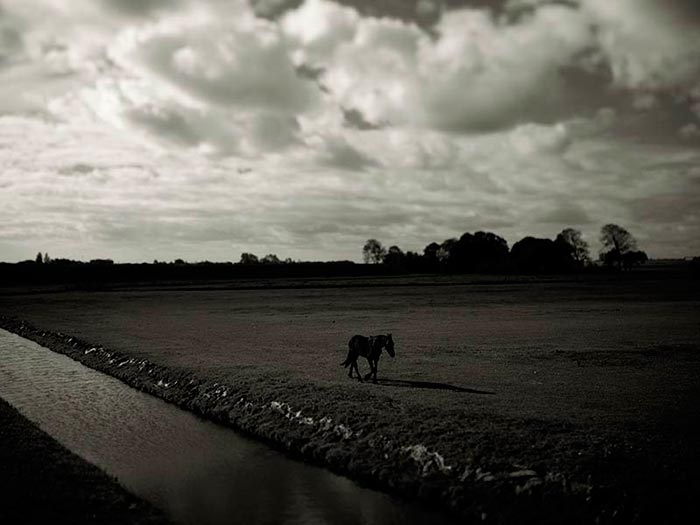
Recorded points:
(591, 383)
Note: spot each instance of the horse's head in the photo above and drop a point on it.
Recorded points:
(390, 345)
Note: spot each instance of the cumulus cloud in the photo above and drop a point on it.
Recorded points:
(118, 119)
(471, 76)
(648, 44)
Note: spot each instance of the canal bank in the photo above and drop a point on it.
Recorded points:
(480, 466)
(355, 438)
(43, 482)
(195, 471)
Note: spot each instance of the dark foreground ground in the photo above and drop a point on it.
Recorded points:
(571, 400)
(42, 482)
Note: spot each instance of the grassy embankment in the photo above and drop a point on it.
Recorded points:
(550, 401)
(42, 482)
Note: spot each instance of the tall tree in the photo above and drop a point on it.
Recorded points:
(373, 251)
(481, 251)
(395, 257)
(39, 258)
(270, 258)
(616, 241)
(446, 250)
(430, 251)
(533, 255)
(249, 258)
(578, 248)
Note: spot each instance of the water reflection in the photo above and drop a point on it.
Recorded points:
(197, 471)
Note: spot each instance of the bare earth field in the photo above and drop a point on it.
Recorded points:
(572, 399)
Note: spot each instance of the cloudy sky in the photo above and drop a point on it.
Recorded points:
(143, 129)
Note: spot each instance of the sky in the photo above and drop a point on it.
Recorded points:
(200, 129)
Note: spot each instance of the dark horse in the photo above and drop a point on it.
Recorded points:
(370, 347)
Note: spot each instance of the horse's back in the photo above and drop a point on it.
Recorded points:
(359, 344)
(357, 341)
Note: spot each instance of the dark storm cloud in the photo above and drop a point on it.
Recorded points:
(566, 212)
(273, 8)
(77, 169)
(668, 208)
(250, 72)
(167, 124)
(339, 154)
(142, 7)
(355, 119)
(10, 38)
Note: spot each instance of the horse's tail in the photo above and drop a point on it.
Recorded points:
(352, 354)
(352, 351)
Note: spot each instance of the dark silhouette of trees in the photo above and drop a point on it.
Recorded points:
(479, 252)
(39, 258)
(572, 240)
(395, 258)
(617, 242)
(373, 251)
(444, 253)
(270, 258)
(430, 259)
(430, 251)
(110, 262)
(534, 255)
(633, 258)
(249, 258)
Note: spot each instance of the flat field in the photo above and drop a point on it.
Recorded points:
(596, 378)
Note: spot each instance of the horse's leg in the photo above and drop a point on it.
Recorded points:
(371, 369)
(357, 369)
(376, 366)
(350, 372)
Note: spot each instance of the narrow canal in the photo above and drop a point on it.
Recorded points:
(196, 471)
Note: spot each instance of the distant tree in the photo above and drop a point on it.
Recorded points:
(633, 258)
(429, 260)
(414, 262)
(616, 241)
(395, 257)
(289, 260)
(481, 251)
(446, 250)
(249, 258)
(99, 262)
(179, 261)
(47, 259)
(430, 251)
(270, 258)
(533, 255)
(39, 258)
(373, 251)
(573, 241)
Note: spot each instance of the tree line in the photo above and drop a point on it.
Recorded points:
(488, 252)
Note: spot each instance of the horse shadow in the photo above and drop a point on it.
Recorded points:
(431, 385)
